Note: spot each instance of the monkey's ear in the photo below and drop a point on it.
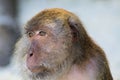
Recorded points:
(74, 26)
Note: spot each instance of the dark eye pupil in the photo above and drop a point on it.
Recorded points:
(42, 33)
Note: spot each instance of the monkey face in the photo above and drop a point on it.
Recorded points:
(50, 46)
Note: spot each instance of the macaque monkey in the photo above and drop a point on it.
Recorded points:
(55, 46)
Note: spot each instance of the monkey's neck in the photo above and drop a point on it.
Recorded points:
(77, 73)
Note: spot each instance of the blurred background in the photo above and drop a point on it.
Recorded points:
(101, 19)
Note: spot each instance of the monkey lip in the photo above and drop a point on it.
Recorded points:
(37, 69)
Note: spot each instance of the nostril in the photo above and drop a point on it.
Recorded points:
(31, 54)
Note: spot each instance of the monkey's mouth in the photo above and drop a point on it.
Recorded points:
(37, 69)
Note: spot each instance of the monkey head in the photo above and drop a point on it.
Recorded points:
(51, 42)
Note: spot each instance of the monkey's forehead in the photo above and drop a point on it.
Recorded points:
(44, 23)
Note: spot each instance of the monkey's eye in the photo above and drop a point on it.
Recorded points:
(42, 33)
(30, 34)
